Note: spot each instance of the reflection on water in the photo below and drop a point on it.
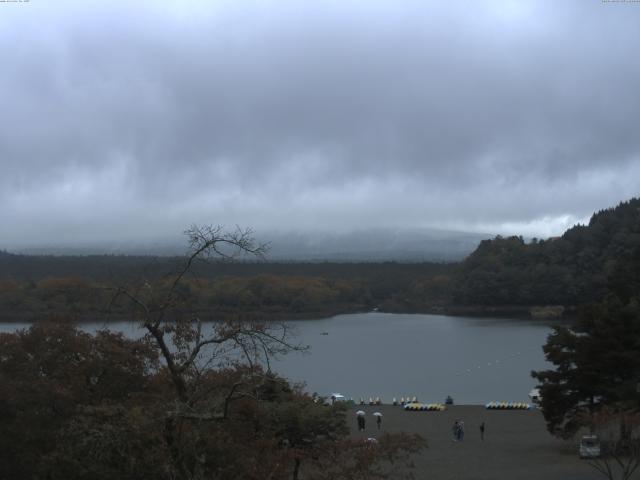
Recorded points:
(474, 360)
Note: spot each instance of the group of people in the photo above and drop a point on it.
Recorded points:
(458, 427)
(362, 422)
(458, 430)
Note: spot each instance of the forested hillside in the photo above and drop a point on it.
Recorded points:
(570, 270)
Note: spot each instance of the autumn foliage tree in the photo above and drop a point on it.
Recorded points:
(50, 370)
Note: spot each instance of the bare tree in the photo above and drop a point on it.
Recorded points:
(189, 348)
(619, 432)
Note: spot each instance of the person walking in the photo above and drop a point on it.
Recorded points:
(482, 427)
(361, 423)
(379, 421)
(456, 430)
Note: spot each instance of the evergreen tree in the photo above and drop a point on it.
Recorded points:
(597, 360)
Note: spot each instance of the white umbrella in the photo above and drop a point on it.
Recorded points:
(377, 414)
(359, 412)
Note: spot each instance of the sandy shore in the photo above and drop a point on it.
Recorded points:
(516, 444)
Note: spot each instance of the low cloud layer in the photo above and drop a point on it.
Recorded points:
(131, 122)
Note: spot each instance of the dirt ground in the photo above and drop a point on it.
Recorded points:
(516, 445)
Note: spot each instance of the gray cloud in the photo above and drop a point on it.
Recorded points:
(133, 121)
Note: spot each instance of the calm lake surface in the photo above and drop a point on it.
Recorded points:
(475, 360)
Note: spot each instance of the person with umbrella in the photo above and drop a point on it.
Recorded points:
(361, 420)
(378, 416)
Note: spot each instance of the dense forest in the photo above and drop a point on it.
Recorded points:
(570, 270)
(504, 275)
(82, 287)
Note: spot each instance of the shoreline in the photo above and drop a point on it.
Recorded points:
(505, 311)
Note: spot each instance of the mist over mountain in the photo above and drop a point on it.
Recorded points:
(375, 245)
(380, 244)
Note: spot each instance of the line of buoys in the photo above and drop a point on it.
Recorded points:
(425, 407)
(493, 363)
(508, 406)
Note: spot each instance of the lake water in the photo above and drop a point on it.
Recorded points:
(475, 360)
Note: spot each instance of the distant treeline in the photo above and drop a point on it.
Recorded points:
(505, 275)
(81, 287)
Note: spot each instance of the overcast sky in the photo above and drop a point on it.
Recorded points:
(135, 119)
